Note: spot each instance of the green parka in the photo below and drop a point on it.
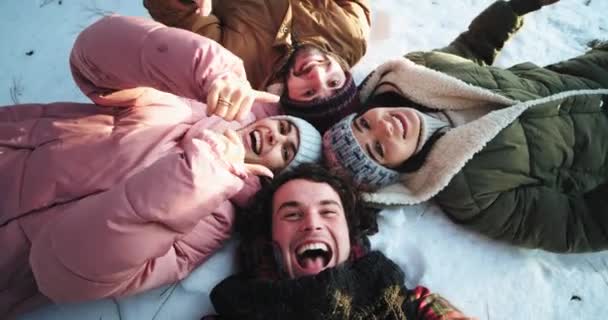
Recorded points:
(533, 172)
(264, 33)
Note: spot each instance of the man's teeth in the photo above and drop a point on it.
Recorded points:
(312, 246)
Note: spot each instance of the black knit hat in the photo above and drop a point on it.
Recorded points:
(325, 112)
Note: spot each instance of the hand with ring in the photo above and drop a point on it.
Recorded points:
(232, 99)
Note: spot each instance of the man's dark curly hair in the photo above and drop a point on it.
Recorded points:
(255, 224)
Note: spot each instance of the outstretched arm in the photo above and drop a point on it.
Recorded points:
(545, 218)
(118, 59)
(126, 61)
(491, 29)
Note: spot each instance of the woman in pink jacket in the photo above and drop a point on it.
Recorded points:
(134, 191)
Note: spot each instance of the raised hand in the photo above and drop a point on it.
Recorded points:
(230, 148)
(232, 99)
(237, 153)
(227, 146)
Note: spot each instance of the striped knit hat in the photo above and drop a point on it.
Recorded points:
(341, 150)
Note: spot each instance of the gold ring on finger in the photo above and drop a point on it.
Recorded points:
(222, 101)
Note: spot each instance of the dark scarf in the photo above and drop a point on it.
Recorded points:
(368, 288)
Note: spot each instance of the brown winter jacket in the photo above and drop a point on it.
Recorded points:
(264, 33)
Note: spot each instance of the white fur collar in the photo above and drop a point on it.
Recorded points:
(428, 87)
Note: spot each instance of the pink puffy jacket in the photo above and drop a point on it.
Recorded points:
(113, 198)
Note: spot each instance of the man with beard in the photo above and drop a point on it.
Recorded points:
(300, 50)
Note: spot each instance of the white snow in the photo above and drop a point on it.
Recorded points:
(486, 279)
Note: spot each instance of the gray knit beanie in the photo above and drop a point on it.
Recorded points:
(428, 126)
(310, 147)
(341, 150)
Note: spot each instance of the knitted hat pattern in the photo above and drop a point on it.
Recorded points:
(341, 150)
(310, 149)
(325, 112)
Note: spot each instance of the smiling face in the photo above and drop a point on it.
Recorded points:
(309, 226)
(270, 142)
(314, 75)
(388, 135)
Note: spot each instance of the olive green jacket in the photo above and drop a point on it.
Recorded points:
(264, 33)
(534, 171)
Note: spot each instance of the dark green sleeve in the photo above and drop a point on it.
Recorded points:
(548, 219)
(590, 66)
(536, 216)
(489, 31)
(539, 183)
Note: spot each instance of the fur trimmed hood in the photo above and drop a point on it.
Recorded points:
(451, 152)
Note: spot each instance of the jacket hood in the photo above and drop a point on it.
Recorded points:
(452, 151)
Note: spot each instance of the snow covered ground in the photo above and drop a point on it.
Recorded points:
(485, 279)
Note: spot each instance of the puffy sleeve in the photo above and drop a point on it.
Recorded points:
(124, 60)
(537, 216)
(488, 32)
(541, 182)
(149, 230)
